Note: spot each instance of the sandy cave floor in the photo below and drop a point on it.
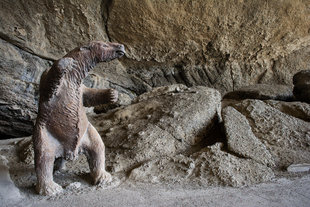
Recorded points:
(284, 191)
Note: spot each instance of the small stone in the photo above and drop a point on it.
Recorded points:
(296, 168)
(72, 186)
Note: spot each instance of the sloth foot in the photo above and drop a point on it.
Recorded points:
(112, 95)
(49, 189)
(103, 178)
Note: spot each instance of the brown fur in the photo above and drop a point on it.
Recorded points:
(62, 128)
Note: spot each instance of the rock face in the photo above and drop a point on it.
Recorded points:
(50, 29)
(301, 82)
(163, 136)
(20, 75)
(167, 121)
(225, 45)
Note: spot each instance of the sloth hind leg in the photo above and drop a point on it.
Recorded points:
(94, 149)
(44, 152)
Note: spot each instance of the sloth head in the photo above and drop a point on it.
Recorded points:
(104, 52)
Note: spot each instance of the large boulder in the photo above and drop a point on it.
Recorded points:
(268, 130)
(167, 121)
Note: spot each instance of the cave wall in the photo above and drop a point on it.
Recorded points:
(224, 45)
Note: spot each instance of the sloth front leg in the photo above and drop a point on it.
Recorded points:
(94, 97)
(44, 154)
(94, 149)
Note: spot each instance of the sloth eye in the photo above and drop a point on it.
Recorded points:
(105, 46)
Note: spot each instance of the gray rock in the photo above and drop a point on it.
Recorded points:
(241, 140)
(262, 92)
(198, 49)
(166, 123)
(286, 137)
